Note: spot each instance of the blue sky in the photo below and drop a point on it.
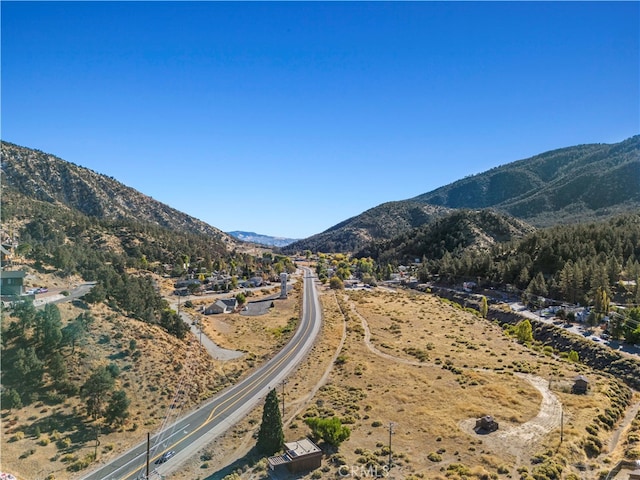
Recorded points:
(287, 118)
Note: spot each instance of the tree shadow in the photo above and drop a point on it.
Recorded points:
(70, 426)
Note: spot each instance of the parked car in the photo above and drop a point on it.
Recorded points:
(42, 290)
(165, 456)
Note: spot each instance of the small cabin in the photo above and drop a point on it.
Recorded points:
(580, 384)
(486, 424)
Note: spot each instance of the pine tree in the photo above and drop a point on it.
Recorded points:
(270, 436)
(118, 408)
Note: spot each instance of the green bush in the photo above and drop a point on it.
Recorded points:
(330, 430)
(434, 457)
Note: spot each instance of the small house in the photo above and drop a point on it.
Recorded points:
(12, 282)
(223, 305)
(486, 424)
(299, 456)
(580, 384)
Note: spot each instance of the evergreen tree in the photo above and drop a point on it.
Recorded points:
(73, 332)
(96, 389)
(26, 314)
(57, 368)
(11, 399)
(48, 328)
(118, 408)
(270, 436)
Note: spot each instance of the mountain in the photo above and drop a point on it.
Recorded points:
(571, 184)
(260, 239)
(568, 185)
(379, 223)
(454, 233)
(47, 178)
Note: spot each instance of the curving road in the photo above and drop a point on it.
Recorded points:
(220, 413)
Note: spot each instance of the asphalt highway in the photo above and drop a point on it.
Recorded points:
(213, 418)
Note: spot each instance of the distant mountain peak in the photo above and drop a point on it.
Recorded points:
(260, 239)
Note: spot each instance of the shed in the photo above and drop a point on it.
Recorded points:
(580, 384)
(299, 456)
(223, 305)
(635, 475)
(486, 424)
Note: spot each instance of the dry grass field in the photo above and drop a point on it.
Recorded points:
(430, 369)
(412, 360)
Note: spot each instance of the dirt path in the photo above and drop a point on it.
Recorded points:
(521, 440)
(626, 421)
(518, 441)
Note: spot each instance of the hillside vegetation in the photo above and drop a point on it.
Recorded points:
(454, 233)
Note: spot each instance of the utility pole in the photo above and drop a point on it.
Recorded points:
(284, 382)
(561, 426)
(148, 443)
(95, 451)
(391, 425)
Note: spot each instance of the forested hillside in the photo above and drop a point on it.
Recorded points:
(569, 263)
(454, 233)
